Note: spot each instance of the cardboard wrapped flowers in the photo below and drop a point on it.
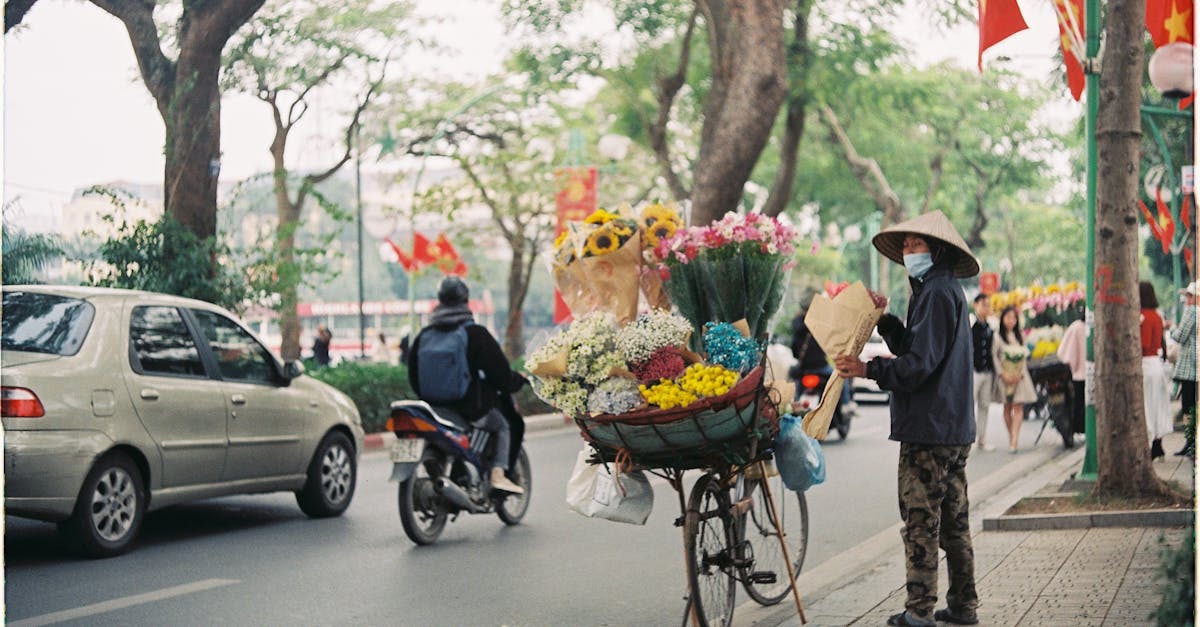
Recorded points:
(718, 429)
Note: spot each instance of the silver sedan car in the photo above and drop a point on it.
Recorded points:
(119, 402)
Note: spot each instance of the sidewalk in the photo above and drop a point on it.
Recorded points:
(1099, 575)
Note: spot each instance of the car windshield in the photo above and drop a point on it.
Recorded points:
(44, 323)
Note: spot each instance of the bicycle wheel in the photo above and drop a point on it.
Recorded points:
(765, 577)
(708, 543)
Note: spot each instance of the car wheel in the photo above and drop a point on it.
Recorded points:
(332, 474)
(108, 513)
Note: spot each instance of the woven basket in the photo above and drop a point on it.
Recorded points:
(718, 429)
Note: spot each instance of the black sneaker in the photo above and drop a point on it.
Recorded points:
(946, 616)
(904, 618)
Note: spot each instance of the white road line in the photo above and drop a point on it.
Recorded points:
(124, 602)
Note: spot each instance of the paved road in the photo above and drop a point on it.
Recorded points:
(258, 560)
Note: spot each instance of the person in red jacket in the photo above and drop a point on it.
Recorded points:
(1155, 389)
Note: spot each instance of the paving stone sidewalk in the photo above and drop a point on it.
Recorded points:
(1075, 577)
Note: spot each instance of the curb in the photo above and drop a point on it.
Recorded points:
(1131, 518)
(373, 442)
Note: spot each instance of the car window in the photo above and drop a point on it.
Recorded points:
(239, 356)
(161, 343)
(44, 323)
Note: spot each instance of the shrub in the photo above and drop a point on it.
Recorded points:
(1179, 594)
(372, 387)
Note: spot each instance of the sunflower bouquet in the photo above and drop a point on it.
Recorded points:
(596, 264)
(658, 222)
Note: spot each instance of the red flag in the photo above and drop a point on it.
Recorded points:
(1166, 225)
(423, 252)
(402, 257)
(1070, 34)
(1187, 257)
(1155, 227)
(1169, 21)
(1185, 213)
(998, 20)
(447, 257)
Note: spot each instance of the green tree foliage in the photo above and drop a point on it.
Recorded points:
(165, 256)
(286, 54)
(25, 255)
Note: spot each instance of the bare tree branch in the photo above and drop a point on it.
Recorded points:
(667, 88)
(158, 72)
(866, 170)
(789, 147)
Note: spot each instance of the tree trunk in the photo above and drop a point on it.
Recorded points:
(798, 57)
(288, 218)
(1122, 445)
(518, 287)
(748, 85)
(193, 150)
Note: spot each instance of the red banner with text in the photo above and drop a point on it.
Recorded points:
(575, 200)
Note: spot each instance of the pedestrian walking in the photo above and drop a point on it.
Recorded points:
(985, 369)
(931, 413)
(1156, 394)
(321, 342)
(1185, 365)
(1014, 386)
(1072, 350)
(381, 353)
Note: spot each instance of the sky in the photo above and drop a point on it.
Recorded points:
(76, 112)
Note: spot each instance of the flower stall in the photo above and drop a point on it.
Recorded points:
(663, 371)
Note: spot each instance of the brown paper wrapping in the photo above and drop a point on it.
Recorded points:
(601, 283)
(841, 326)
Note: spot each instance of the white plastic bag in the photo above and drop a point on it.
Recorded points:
(593, 492)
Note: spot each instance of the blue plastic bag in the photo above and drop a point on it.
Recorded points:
(798, 456)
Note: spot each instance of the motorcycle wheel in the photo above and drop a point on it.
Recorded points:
(843, 425)
(511, 509)
(422, 512)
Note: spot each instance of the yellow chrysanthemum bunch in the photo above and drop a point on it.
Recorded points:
(704, 380)
(659, 221)
(667, 394)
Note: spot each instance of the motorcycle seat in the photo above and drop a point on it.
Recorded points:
(442, 415)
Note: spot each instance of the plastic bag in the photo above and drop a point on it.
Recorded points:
(593, 492)
(798, 455)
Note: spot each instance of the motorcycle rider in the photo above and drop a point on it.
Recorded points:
(489, 371)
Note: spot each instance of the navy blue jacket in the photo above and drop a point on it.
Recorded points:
(930, 378)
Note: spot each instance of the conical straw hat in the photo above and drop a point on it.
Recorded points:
(936, 225)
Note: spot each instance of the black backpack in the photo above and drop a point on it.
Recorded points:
(445, 374)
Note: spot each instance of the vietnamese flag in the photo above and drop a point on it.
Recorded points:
(1166, 224)
(1169, 21)
(1071, 16)
(402, 257)
(998, 20)
(423, 251)
(448, 259)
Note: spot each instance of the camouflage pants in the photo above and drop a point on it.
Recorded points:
(932, 483)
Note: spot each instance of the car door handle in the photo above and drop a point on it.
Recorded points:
(149, 394)
(237, 399)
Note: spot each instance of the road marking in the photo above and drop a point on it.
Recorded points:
(124, 602)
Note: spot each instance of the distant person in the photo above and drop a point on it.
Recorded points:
(985, 369)
(404, 352)
(1185, 365)
(440, 377)
(1155, 392)
(1072, 350)
(932, 414)
(321, 342)
(1014, 385)
(381, 353)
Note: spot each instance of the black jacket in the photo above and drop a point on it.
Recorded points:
(981, 346)
(930, 378)
(809, 356)
(490, 372)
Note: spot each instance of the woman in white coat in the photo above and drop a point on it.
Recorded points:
(1013, 383)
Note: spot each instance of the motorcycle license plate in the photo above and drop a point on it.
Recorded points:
(407, 450)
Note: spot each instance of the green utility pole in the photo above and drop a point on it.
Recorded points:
(1091, 28)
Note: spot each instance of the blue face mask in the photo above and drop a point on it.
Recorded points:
(918, 264)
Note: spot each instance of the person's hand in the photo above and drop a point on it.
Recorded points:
(889, 324)
(849, 366)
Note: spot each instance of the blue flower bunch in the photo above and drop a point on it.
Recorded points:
(726, 346)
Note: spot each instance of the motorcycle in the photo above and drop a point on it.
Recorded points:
(440, 462)
(810, 384)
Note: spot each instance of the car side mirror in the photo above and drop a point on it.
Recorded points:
(292, 370)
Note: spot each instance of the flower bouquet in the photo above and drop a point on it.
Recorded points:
(737, 268)
(596, 265)
(1012, 363)
(841, 325)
